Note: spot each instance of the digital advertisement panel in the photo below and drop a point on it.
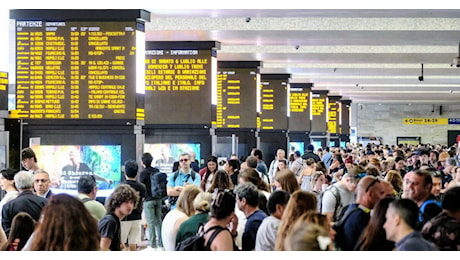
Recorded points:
(164, 155)
(66, 163)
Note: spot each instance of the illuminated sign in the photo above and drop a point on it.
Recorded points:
(425, 121)
(319, 111)
(273, 100)
(236, 95)
(333, 115)
(75, 70)
(178, 83)
(3, 91)
(299, 107)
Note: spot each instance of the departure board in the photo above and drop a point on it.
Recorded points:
(178, 84)
(345, 116)
(299, 107)
(75, 69)
(236, 95)
(3, 90)
(333, 115)
(273, 101)
(319, 111)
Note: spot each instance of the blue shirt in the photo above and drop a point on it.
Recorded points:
(248, 239)
(182, 179)
(415, 242)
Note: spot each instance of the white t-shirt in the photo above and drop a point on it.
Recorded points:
(168, 234)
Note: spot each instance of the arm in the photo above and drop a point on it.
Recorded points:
(105, 243)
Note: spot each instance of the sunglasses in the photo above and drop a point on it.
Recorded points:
(183, 160)
(372, 184)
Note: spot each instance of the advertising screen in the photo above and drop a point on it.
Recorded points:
(164, 155)
(66, 163)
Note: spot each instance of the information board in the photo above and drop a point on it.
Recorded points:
(345, 117)
(273, 100)
(299, 107)
(319, 111)
(333, 115)
(3, 90)
(75, 69)
(178, 84)
(236, 96)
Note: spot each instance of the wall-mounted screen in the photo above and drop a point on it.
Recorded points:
(178, 84)
(164, 155)
(66, 163)
(75, 70)
(297, 146)
(236, 93)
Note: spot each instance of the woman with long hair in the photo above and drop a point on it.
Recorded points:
(373, 237)
(22, 227)
(178, 215)
(220, 181)
(211, 168)
(65, 225)
(286, 180)
(299, 203)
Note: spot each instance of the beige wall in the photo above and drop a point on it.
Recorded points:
(386, 121)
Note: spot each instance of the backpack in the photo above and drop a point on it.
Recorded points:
(196, 242)
(166, 206)
(158, 181)
(339, 209)
(338, 227)
(422, 216)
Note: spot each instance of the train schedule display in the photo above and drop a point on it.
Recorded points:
(75, 69)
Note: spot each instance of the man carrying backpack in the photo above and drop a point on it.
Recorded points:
(152, 204)
(184, 176)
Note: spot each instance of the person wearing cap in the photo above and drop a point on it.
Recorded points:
(29, 160)
(7, 184)
(442, 160)
(87, 190)
(413, 162)
(309, 153)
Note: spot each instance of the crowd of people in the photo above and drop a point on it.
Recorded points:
(354, 198)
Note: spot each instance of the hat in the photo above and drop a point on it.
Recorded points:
(443, 156)
(297, 153)
(310, 147)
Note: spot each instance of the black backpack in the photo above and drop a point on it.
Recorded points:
(338, 227)
(196, 242)
(158, 182)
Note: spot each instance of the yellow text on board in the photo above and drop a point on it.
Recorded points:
(425, 121)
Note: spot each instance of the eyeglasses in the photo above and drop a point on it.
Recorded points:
(41, 180)
(183, 160)
(372, 184)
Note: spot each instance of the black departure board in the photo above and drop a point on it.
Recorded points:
(236, 95)
(75, 69)
(178, 83)
(345, 116)
(299, 107)
(319, 111)
(3, 90)
(273, 101)
(333, 115)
